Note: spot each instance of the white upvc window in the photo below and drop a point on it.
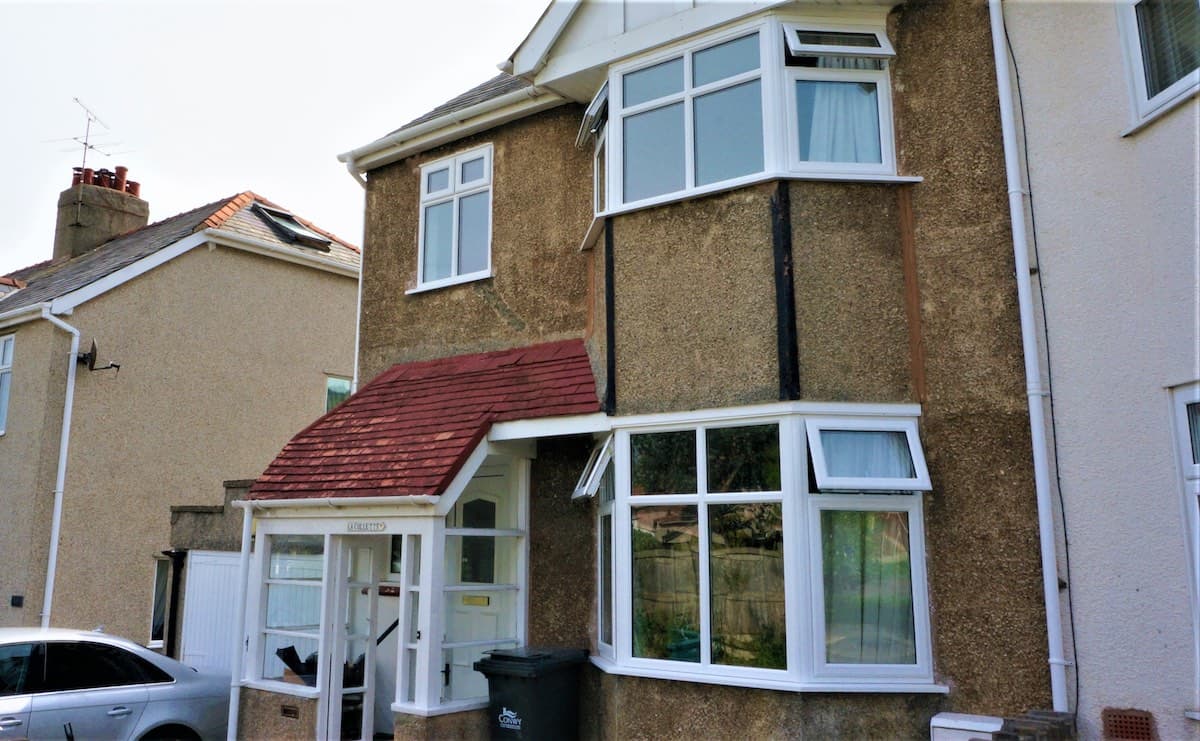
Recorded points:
(726, 564)
(158, 604)
(6, 364)
(769, 98)
(456, 219)
(1161, 40)
(1186, 411)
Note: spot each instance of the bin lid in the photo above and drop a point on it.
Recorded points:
(529, 661)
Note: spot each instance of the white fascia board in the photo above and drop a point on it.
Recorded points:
(452, 126)
(531, 54)
(337, 502)
(463, 477)
(66, 303)
(777, 409)
(527, 429)
(246, 243)
(23, 314)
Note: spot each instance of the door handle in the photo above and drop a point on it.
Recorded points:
(119, 712)
(9, 722)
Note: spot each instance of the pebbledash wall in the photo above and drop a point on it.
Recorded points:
(165, 430)
(693, 292)
(1118, 252)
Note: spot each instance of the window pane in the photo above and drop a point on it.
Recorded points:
(867, 454)
(337, 390)
(666, 579)
(606, 579)
(15, 663)
(654, 152)
(159, 609)
(297, 656)
(1169, 32)
(296, 556)
(836, 38)
(439, 225)
(663, 462)
(652, 82)
(868, 588)
(5, 383)
(472, 170)
(743, 458)
(397, 553)
(725, 60)
(1193, 415)
(729, 133)
(838, 121)
(746, 573)
(437, 180)
(6, 350)
(473, 233)
(293, 607)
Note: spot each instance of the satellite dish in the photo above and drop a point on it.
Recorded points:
(89, 358)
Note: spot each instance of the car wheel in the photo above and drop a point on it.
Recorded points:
(171, 733)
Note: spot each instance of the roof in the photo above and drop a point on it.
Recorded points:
(499, 85)
(409, 431)
(49, 280)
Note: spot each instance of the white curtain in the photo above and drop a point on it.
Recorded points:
(845, 117)
(867, 454)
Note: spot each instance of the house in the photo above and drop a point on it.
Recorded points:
(1112, 180)
(141, 365)
(694, 342)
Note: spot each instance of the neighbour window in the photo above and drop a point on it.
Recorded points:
(1186, 401)
(6, 360)
(1162, 47)
(718, 557)
(337, 390)
(290, 229)
(158, 609)
(456, 219)
(706, 116)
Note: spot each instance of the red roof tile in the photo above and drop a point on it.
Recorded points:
(410, 430)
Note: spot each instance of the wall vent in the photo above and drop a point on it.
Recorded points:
(1128, 725)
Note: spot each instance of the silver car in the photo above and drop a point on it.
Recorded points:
(75, 685)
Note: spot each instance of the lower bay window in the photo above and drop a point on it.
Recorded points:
(721, 558)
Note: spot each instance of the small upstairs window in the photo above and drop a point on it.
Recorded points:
(337, 390)
(456, 219)
(288, 228)
(6, 364)
(1162, 49)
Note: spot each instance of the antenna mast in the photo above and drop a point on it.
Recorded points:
(86, 141)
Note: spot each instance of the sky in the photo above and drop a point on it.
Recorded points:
(204, 99)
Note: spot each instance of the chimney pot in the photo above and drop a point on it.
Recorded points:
(121, 173)
(133, 188)
(89, 176)
(76, 175)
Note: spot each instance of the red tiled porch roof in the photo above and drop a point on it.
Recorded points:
(409, 431)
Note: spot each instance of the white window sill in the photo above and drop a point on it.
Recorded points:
(446, 709)
(831, 177)
(1192, 714)
(1161, 111)
(445, 282)
(787, 685)
(282, 688)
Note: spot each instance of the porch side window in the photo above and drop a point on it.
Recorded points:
(291, 617)
(456, 219)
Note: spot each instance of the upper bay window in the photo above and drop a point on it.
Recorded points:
(1162, 50)
(456, 219)
(759, 100)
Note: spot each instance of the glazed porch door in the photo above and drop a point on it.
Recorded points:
(348, 697)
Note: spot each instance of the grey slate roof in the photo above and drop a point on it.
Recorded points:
(48, 280)
(499, 85)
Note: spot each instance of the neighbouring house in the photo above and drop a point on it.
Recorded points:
(141, 366)
(1111, 140)
(694, 341)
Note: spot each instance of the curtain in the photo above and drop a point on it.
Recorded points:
(844, 123)
(867, 454)
(868, 588)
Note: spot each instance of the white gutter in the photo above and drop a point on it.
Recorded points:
(239, 648)
(451, 126)
(22, 315)
(60, 478)
(270, 249)
(338, 502)
(358, 318)
(1035, 393)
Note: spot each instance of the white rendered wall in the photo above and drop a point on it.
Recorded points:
(1116, 231)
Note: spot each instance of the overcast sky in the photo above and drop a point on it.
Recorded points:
(204, 99)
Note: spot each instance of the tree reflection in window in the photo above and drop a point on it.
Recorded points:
(743, 458)
(663, 462)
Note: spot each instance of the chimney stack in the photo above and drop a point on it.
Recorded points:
(99, 205)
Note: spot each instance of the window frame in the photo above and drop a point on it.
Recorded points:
(824, 482)
(455, 191)
(801, 504)
(1148, 107)
(330, 378)
(8, 341)
(780, 146)
(163, 565)
(1189, 468)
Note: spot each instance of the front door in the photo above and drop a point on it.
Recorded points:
(348, 699)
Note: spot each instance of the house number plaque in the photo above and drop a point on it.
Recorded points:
(365, 527)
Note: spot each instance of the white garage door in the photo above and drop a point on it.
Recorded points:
(209, 604)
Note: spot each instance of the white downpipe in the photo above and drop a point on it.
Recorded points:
(358, 316)
(1035, 393)
(239, 649)
(60, 479)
